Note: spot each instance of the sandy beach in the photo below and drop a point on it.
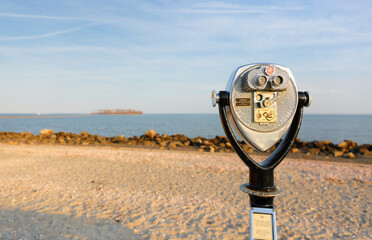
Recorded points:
(70, 192)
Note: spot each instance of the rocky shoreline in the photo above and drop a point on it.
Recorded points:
(346, 149)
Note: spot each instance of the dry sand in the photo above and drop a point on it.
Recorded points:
(50, 192)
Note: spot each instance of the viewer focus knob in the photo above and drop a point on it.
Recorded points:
(215, 98)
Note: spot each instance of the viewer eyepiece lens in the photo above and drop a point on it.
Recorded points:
(262, 80)
(277, 80)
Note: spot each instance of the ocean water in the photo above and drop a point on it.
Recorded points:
(335, 128)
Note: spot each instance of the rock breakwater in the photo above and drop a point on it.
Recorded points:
(151, 139)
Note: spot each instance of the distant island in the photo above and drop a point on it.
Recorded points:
(119, 112)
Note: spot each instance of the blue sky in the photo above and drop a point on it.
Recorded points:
(167, 56)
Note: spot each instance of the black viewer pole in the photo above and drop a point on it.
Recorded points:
(261, 187)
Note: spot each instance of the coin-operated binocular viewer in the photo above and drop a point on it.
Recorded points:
(261, 105)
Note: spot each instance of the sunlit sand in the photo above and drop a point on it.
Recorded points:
(49, 192)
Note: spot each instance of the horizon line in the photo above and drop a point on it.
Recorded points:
(144, 113)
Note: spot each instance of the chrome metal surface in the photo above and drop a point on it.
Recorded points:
(215, 98)
(278, 101)
(309, 97)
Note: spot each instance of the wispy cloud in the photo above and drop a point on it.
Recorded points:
(228, 11)
(61, 18)
(229, 8)
(45, 35)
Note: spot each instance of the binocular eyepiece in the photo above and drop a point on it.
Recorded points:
(265, 78)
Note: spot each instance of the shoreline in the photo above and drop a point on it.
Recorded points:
(204, 125)
(346, 151)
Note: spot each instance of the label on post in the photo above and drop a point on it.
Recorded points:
(263, 224)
